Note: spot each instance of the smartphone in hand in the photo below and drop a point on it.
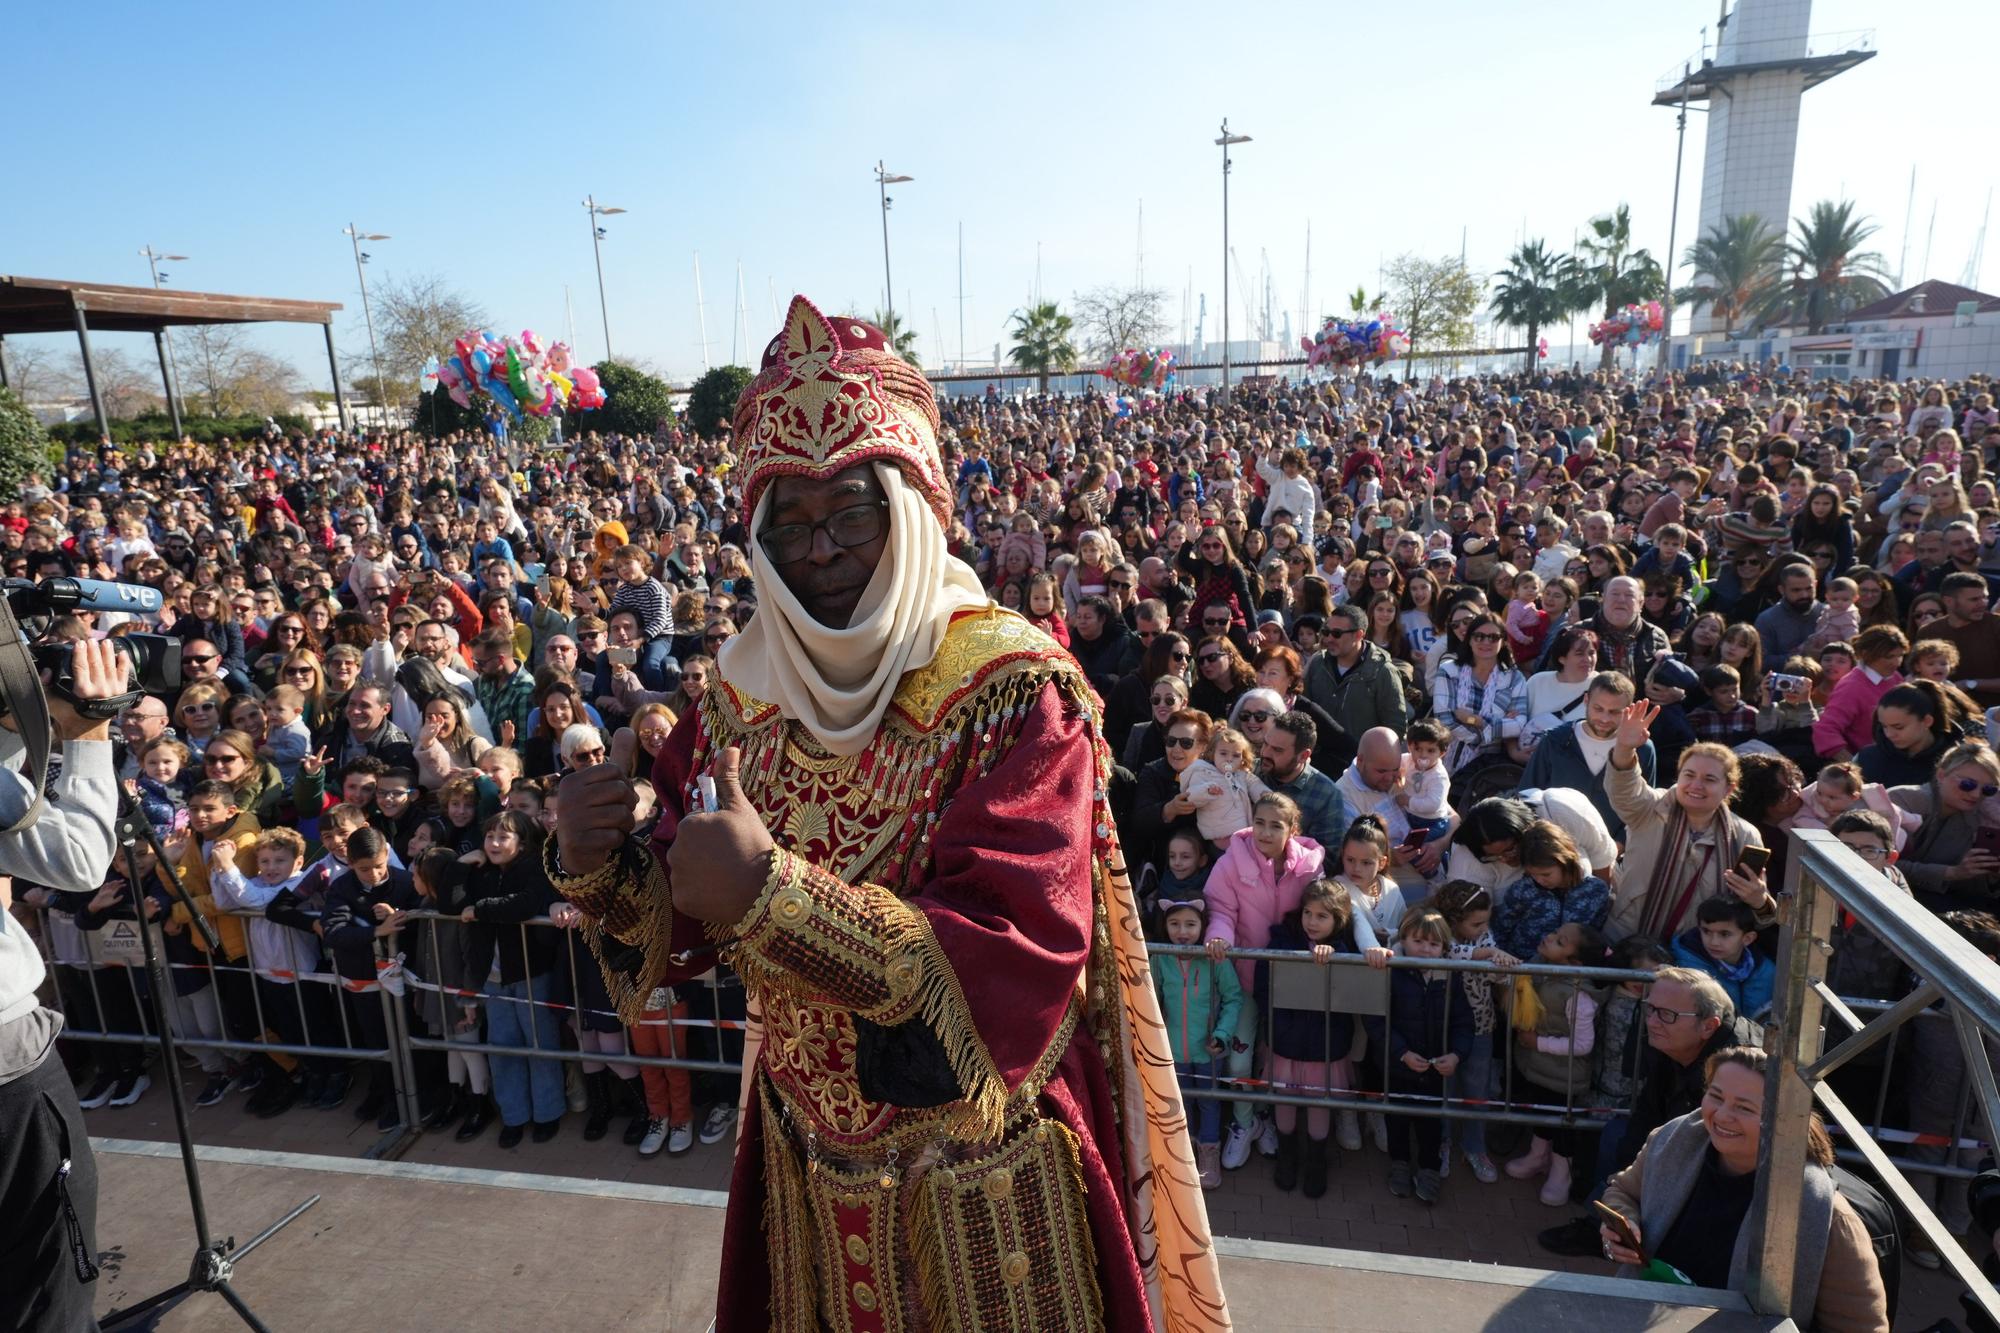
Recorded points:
(1622, 1225)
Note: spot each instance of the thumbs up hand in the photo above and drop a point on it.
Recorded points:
(720, 859)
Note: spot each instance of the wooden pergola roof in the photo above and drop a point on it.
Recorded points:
(49, 305)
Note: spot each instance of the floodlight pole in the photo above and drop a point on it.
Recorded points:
(1224, 141)
(355, 235)
(1673, 226)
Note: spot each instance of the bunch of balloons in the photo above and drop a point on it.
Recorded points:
(1150, 369)
(1634, 325)
(518, 375)
(1355, 342)
(1541, 349)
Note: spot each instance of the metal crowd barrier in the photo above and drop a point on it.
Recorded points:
(1364, 991)
(1955, 985)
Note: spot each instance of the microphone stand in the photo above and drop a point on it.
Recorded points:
(214, 1261)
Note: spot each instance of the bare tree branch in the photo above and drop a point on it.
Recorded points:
(1112, 318)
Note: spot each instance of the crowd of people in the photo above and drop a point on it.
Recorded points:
(1522, 669)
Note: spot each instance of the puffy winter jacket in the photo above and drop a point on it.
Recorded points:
(1248, 896)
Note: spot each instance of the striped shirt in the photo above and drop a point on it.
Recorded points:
(651, 602)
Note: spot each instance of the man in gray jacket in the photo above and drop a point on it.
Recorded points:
(1787, 624)
(1354, 680)
(48, 1178)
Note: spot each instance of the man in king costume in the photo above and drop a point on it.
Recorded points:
(963, 1111)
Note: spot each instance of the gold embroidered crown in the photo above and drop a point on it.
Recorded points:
(832, 393)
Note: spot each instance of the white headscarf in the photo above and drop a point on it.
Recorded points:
(839, 682)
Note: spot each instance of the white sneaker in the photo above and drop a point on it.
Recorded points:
(1347, 1130)
(656, 1137)
(1267, 1136)
(1379, 1128)
(1235, 1146)
(681, 1139)
(131, 1090)
(716, 1125)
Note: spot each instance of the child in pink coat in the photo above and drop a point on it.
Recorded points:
(1261, 878)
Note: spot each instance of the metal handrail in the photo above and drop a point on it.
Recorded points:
(1823, 875)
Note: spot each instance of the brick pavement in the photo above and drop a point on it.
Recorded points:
(1483, 1223)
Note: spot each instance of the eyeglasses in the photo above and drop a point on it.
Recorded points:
(1209, 659)
(198, 708)
(856, 525)
(213, 758)
(1667, 1017)
(1178, 655)
(1985, 789)
(589, 635)
(1871, 852)
(1181, 742)
(305, 672)
(716, 638)
(591, 755)
(1121, 585)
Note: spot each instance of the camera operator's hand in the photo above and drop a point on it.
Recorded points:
(97, 672)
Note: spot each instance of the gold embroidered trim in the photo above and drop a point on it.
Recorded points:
(1005, 1239)
(810, 934)
(629, 899)
(787, 1222)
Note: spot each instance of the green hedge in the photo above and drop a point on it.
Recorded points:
(159, 428)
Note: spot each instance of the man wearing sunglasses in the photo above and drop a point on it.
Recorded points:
(1354, 680)
(906, 850)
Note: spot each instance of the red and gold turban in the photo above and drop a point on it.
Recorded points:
(832, 393)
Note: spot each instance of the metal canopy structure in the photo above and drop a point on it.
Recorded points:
(49, 305)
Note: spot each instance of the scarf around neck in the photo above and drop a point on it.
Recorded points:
(838, 683)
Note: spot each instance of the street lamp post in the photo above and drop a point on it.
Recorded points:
(153, 258)
(596, 210)
(357, 236)
(1224, 142)
(884, 178)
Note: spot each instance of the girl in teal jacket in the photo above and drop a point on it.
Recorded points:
(1200, 1000)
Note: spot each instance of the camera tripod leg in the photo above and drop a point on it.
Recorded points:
(214, 1261)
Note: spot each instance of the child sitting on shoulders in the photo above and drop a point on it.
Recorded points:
(1668, 555)
(1223, 787)
(1841, 620)
(1201, 1000)
(1310, 1050)
(1423, 789)
(1527, 622)
(1837, 790)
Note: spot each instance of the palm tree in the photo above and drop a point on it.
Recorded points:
(902, 341)
(1617, 275)
(1538, 289)
(1042, 342)
(1741, 260)
(1360, 303)
(1829, 273)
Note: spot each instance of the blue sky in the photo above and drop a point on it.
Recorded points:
(247, 136)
